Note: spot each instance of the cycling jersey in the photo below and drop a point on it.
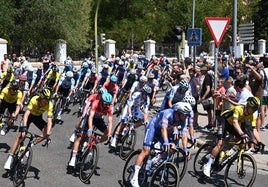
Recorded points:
(238, 112)
(7, 77)
(14, 98)
(111, 88)
(97, 106)
(175, 94)
(36, 110)
(136, 87)
(139, 106)
(163, 118)
(53, 76)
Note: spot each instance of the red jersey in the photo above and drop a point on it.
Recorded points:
(97, 106)
(111, 88)
(92, 98)
(92, 78)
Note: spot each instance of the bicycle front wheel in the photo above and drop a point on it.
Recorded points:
(128, 144)
(129, 169)
(180, 160)
(21, 166)
(201, 158)
(166, 175)
(241, 172)
(89, 163)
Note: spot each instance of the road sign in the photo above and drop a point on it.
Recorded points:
(246, 33)
(217, 27)
(194, 37)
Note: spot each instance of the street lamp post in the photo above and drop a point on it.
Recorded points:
(193, 48)
(96, 34)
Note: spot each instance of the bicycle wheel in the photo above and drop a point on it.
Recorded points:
(201, 158)
(166, 175)
(57, 106)
(21, 166)
(89, 163)
(180, 160)
(241, 172)
(128, 144)
(129, 169)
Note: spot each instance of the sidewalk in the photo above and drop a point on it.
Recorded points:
(202, 136)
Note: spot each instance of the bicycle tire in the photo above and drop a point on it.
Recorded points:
(181, 161)
(201, 158)
(128, 144)
(89, 163)
(56, 109)
(233, 177)
(21, 166)
(165, 172)
(129, 169)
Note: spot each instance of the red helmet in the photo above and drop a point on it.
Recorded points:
(23, 78)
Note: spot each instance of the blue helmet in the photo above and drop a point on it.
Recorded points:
(113, 78)
(184, 85)
(107, 97)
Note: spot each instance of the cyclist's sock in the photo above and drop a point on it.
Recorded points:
(74, 153)
(136, 172)
(210, 160)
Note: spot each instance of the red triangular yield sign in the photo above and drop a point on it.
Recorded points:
(217, 27)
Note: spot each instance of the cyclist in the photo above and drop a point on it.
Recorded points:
(175, 94)
(65, 87)
(161, 127)
(153, 83)
(37, 106)
(91, 80)
(138, 85)
(6, 77)
(137, 106)
(99, 107)
(10, 99)
(52, 78)
(238, 121)
(112, 87)
(104, 74)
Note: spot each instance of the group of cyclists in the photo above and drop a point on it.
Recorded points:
(133, 77)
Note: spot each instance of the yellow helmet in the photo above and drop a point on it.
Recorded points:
(254, 102)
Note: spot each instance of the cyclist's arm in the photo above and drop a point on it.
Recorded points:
(25, 117)
(164, 133)
(49, 126)
(90, 119)
(237, 126)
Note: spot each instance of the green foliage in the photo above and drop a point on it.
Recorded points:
(33, 26)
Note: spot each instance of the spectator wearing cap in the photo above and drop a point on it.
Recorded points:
(205, 93)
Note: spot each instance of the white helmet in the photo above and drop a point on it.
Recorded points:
(143, 79)
(69, 74)
(132, 71)
(189, 99)
(93, 70)
(121, 62)
(182, 107)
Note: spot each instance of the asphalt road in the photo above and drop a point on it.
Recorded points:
(49, 164)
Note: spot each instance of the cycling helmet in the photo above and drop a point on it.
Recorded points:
(184, 85)
(189, 99)
(54, 68)
(150, 76)
(106, 66)
(143, 79)
(68, 62)
(147, 89)
(114, 78)
(121, 62)
(182, 107)
(140, 66)
(85, 65)
(10, 70)
(14, 85)
(156, 68)
(107, 97)
(45, 93)
(75, 69)
(102, 90)
(30, 69)
(69, 74)
(93, 70)
(132, 71)
(23, 78)
(253, 102)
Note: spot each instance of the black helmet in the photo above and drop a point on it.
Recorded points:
(45, 93)
(14, 85)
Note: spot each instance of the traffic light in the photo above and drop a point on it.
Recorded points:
(178, 32)
(102, 38)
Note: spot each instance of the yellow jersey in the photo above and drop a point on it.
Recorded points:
(238, 112)
(36, 110)
(15, 98)
(53, 76)
(7, 77)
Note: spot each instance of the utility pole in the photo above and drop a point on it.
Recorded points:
(234, 41)
(96, 35)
